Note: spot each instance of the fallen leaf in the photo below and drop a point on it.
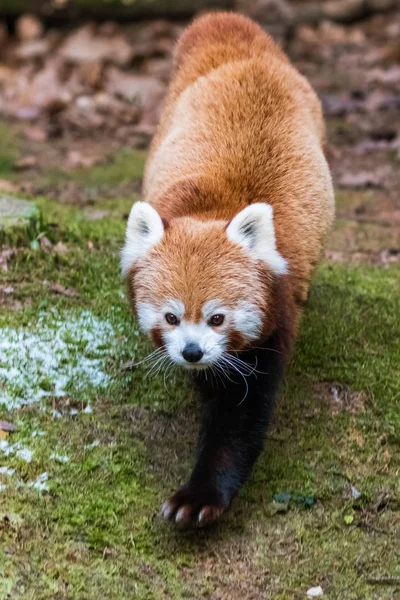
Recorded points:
(57, 288)
(4, 256)
(86, 46)
(29, 27)
(362, 179)
(32, 49)
(6, 426)
(27, 162)
(35, 133)
(75, 158)
(7, 186)
(45, 243)
(348, 519)
(391, 75)
(49, 88)
(145, 90)
(60, 248)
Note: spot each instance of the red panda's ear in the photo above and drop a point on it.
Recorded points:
(253, 229)
(144, 230)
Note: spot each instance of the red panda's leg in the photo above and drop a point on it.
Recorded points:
(231, 438)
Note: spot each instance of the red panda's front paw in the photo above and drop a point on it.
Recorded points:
(194, 505)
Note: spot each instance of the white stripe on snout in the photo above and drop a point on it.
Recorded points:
(209, 341)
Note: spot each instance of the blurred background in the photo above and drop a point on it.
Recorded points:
(91, 446)
(81, 79)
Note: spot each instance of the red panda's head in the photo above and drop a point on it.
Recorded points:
(202, 288)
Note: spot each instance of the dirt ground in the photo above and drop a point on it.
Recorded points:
(88, 454)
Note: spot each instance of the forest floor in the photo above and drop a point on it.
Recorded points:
(89, 448)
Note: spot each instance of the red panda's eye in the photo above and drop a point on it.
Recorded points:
(216, 320)
(171, 319)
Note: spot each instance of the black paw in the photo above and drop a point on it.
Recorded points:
(195, 505)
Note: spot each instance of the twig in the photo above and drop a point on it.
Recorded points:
(362, 524)
(384, 580)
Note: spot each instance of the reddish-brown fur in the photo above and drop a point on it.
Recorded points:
(240, 125)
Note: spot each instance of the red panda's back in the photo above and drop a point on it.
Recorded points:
(243, 126)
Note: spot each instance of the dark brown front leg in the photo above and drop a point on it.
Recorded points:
(235, 421)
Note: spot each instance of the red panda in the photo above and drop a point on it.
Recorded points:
(219, 256)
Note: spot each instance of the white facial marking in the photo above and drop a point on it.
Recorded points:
(248, 320)
(211, 342)
(176, 307)
(144, 230)
(253, 229)
(148, 316)
(213, 307)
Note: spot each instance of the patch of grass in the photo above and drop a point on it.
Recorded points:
(123, 167)
(8, 150)
(350, 236)
(96, 534)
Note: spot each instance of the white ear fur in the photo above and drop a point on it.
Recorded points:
(145, 229)
(253, 228)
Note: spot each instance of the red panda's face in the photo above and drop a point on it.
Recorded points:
(201, 289)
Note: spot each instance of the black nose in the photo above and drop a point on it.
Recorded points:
(192, 352)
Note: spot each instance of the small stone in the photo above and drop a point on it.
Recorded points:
(19, 221)
(315, 592)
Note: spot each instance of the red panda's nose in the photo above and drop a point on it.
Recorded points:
(192, 352)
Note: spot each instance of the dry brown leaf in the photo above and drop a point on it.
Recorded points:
(29, 27)
(144, 90)
(85, 46)
(45, 244)
(6, 426)
(75, 158)
(27, 162)
(35, 133)
(57, 288)
(363, 179)
(60, 248)
(7, 186)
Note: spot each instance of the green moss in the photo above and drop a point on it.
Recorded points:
(96, 533)
(8, 150)
(20, 221)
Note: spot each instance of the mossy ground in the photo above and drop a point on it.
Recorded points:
(95, 533)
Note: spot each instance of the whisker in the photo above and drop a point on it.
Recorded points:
(220, 364)
(160, 367)
(158, 363)
(217, 370)
(262, 348)
(155, 353)
(238, 365)
(169, 369)
(251, 368)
